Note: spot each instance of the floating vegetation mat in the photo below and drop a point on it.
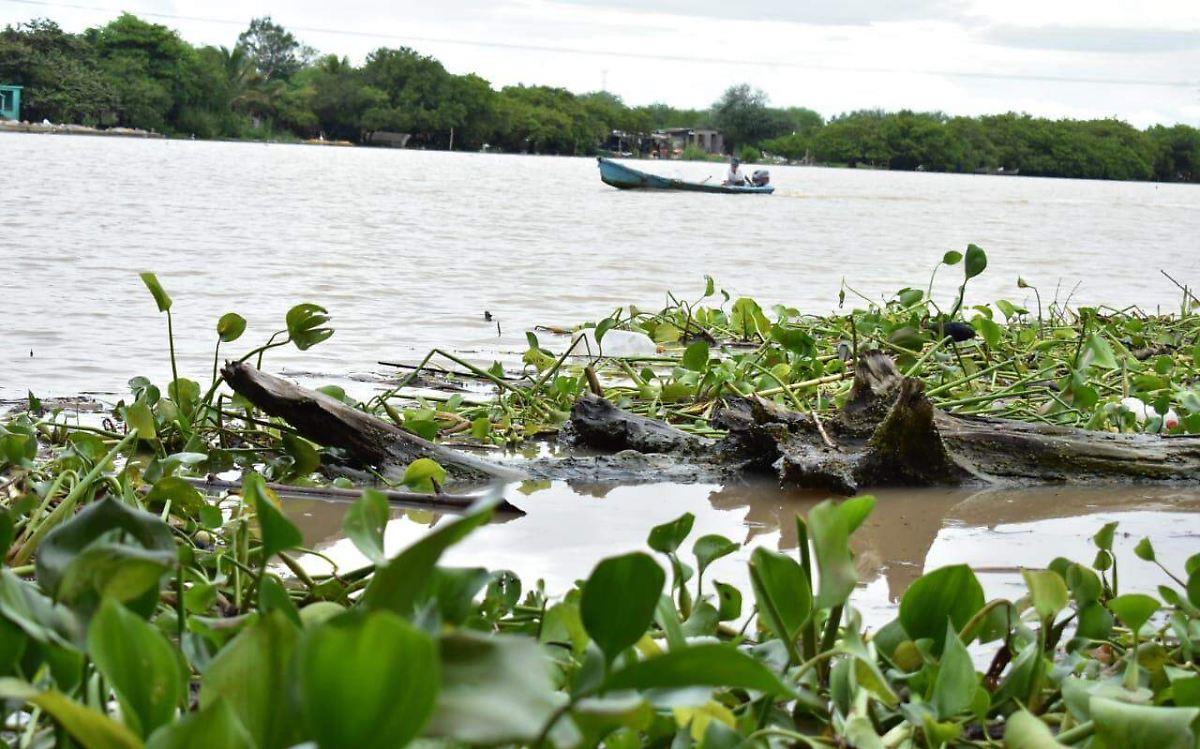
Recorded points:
(139, 608)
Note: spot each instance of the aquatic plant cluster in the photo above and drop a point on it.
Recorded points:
(1120, 370)
(136, 610)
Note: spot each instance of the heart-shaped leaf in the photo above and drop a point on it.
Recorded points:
(618, 601)
(230, 327)
(367, 680)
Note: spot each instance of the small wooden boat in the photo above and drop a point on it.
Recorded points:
(625, 178)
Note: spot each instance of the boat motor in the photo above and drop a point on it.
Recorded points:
(760, 178)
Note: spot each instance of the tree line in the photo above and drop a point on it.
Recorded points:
(269, 85)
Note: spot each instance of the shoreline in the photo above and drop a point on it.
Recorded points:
(30, 128)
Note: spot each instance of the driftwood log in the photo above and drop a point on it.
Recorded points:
(644, 451)
(888, 433)
(370, 440)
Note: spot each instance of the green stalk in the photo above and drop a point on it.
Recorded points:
(809, 643)
(171, 344)
(1077, 734)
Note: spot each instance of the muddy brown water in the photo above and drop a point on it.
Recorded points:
(567, 529)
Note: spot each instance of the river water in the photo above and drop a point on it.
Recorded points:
(407, 249)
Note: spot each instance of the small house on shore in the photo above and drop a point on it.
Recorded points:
(10, 102)
(705, 138)
(664, 144)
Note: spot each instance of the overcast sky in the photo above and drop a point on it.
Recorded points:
(1134, 59)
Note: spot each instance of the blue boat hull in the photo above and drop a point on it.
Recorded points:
(625, 178)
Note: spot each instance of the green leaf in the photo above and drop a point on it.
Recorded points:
(951, 592)
(1024, 730)
(305, 458)
(1010, 310)
(496, 690)
(129, 574)
(1047, 592)
(695, 356)
(954, 688)
(976, 261)
(796, 340)
(1120, 725)
(709, 664)
(730, 601)
(1100, 352)
(13, 644)
(422, 473)
(1134, 609)
(1095, 622)
(990, 329)
(453, 589)
(784, 598)
(831, 526)
(213, 726)
(184, 497)
(75, 565)
(92, 729)
(598, 716)
(667, 537)
(365, 522)
(304, 325)
(602, 327)
(953, 257)
(1144, 550)
(156, 290)
(746, 317)
(618, 601)
(562, 624)
(230, 327)
(367, 680)
(139, 663)
(252, 674)
(1186, 691)
(278, 533)
(667, 333)
(7, 531)
(856, 510)
(141, 418)
(273, 596)
(1104, 537)
(1193, 587)
(397, 584)
(710, 548)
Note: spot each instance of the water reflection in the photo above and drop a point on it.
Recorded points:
(568, 528)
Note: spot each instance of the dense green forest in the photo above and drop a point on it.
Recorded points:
(269, 85)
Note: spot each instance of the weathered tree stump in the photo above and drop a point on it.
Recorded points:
(889, 433)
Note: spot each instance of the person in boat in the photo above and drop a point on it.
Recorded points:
(735, 176)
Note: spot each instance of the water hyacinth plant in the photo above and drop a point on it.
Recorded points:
(1090, 367)
(136, 611)
(131, 630)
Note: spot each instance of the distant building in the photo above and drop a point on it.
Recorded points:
(706, 139)
(10, 103)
